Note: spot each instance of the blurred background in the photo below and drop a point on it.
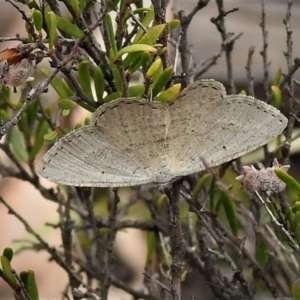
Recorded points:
(205, 41)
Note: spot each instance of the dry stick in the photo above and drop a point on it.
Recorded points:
(219, 21)
(177, 243)
(264, 52)
(183, 48)
(108, 259)
(208, 63)
(159, 7)
(249, 71)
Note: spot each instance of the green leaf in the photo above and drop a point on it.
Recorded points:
(75, 6)
(136, 91)
(117, 78)
(69, 28)
(277, 77)
(276, 96)
(82, 5)
(37, 20)
(145, 59)
(150, 37)
(136, 48)
(51, 22)
(7, 270)
(199, 186)
(296, 289)
(17, 143)
(230, 212)
(169, 94)
(297, 227)
(67, 88)
(24, 127)
(51, 136)
(85, 78)
(39, 139)
(113, 96)
(151, 243)
(99, 82)
(162, 81)
(111, 36)
(32, 4)
(56, 84)
(291, 182)
(66, 103)
(174, 24)
(31, 286)
(65, 112)
(8, 253)
(156, 65)
(146, 21)
(212, 195)
(262, 253)
(65, 130)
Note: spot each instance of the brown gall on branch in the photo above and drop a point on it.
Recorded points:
(262, 181)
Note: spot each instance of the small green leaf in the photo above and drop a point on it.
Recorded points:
(151, 243)
(51, 22)
(37, 20)
(111, 36)
(69, 28)
(136, 48)
(31, 286)
(262, 253)
(24, 127)
(276, 96)
(146, 21)
(157, 64)
(136, 91)
(7, 270)
(117, 78)
(162, 81)
(32, 4)
(150, 37)
(51, 136)
(291, 182)
(296, 289)
(297, 227)
(65, 112)
(169, 94)
(8, 253)
(67, 88)
(212, 195)
(85, 78)
(145, 59)
(65, 130)
(82, 5)
(174, 24)
(56, 84)
(99, 82)
(112, 96)
(230, 212)
(199, 186)
(17, 143)
(277, 77)
(39, 139)
(75, 6)
(66, 103)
